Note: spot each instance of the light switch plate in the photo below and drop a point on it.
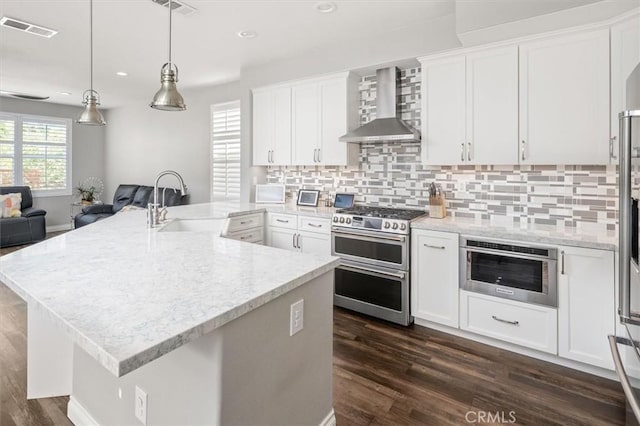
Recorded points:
(296, 319)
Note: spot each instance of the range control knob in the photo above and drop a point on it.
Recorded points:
(342, 220)
(403, 226)
(348, 220)
(395, 226)
(335, 219)
(387, 225)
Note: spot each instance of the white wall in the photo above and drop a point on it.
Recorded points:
(88, 144)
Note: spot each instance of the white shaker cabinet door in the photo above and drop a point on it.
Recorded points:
(333, 119)
(492, 106)
(281, 238)
(311, 242)
(586, 305)
(564, 99)
(434, 276)
(625, 56)
(262, 127)
(443, 111)
(281, 140)
(306, 124)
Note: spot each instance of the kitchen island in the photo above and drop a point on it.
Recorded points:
(198, 323)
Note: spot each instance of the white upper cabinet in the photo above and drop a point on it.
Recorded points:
(492, 106)
(443, 109)
(300, 123)
(625, 56)
(470, 108)
(564, 99)
(272, 126)
(305, 123)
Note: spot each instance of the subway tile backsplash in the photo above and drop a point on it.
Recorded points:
(391, 174)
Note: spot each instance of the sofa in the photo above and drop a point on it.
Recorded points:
(29, 227)
(128, 195)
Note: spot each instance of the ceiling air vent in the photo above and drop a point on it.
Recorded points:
(17, 24)
(177, 6)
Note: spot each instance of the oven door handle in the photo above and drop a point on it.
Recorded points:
(509, 254)
(400, 275)
(370, 237)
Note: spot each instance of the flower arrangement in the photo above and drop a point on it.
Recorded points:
(89, 190)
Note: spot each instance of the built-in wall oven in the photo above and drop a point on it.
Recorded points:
(373, 277)
(509, 270)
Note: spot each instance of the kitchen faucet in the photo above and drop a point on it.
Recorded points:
(155, 213)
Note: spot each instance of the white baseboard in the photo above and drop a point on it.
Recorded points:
(330, 420)
(78, 415)
(57, 228)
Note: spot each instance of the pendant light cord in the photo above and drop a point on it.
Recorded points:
(91, 42)
(170, 13)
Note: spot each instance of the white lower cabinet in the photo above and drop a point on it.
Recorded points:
(299, 233)
(248, 228)
(586, 305)
(525, 324)
(434, 276)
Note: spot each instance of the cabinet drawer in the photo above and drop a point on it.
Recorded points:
(242, 223)
(524, 324)
(314, 224)
(283, 220)
(250, 236)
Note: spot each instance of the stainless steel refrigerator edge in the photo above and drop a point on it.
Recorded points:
(629, 172)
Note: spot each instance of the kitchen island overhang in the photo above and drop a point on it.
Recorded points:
(151, 297)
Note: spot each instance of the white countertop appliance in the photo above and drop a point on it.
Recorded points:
(373, 276)
(626, 349)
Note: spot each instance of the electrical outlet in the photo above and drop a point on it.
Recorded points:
(141, 405)
(296, 320)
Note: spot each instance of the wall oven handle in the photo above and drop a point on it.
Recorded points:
(400, 275)
(622, 375)
(399, 238)
(435, 247)
(505, 321)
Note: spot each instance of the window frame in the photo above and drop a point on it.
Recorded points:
(212, 110)
(18, 178)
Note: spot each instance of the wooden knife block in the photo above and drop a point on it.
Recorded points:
(437, 209)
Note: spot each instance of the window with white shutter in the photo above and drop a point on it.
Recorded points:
(225, 140)
(36, 152)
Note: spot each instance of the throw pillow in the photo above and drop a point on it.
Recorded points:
(10, 205)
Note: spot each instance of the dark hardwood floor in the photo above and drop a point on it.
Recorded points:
(383, 375)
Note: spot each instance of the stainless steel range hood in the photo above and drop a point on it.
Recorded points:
(387, 127)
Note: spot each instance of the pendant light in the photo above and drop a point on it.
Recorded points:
(90, 116)
(168, 98)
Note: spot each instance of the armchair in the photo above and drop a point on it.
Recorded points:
(29, 227)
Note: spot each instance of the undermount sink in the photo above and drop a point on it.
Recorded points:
(213, 224)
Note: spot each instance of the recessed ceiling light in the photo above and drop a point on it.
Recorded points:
(326, 7)
(247, 34)
(66, 93)
(122, 74)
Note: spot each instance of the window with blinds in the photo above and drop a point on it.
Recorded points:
(36, 152)
(225, 141)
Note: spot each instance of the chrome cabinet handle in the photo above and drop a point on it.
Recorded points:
(298, 241)
(562, 262)
(246, 237)
(611, 141)
(282, 221)
(247, 222)
(505, 321)
(522, 150)
(469, 151)
(313, 225)
(462, 151)
(319, 160)
(435, 247)
(293, 241)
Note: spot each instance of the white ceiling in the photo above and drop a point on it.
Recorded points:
(132, 36)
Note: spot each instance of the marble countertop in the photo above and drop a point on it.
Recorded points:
(545, 234)
(127, 294)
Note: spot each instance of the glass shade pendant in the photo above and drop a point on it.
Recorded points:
(168, 98)
(90, 116)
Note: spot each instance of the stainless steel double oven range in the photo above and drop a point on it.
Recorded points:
(373, 277)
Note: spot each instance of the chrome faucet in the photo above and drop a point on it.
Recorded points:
(157, 215)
